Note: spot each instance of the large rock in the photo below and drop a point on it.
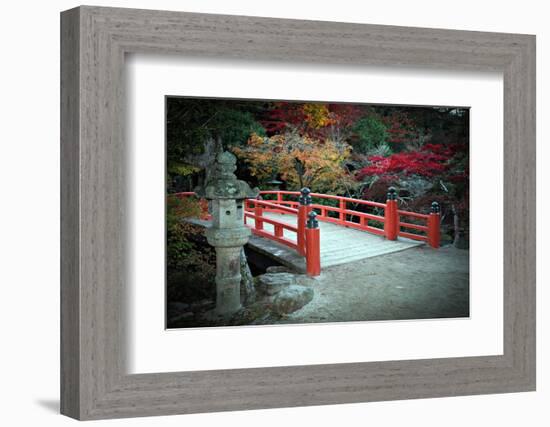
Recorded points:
(292, 298)
(278, 269)
(273, 283)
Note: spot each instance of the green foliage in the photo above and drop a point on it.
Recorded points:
(191, 264)
(234, 127)
(370, 133)
(190, 260)
(178, 246)
(184, 207)
(181, 169)
(383, 150)
(190, 122)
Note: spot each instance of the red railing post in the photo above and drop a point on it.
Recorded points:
(303, 211)
(279, 197)
(258, 212)
(342, 215)
(434, 233)
(313, 246)
(391, 217)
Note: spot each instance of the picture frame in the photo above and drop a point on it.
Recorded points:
(94, 381)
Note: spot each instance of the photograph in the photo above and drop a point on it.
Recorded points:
(305, 213)
(292, 212)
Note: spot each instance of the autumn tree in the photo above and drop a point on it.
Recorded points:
(316, 120)
(298, 160)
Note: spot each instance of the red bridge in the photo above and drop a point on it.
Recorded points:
(349, 229)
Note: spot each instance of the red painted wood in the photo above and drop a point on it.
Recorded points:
(281, 240)
(342, 211)
(433, 230)
(413, 236)
(258, 223)
(327, 196)
(313, 252)
(302, 218)
(390, 220)
(413, 226)
(274, 206)
(413, 214)
(308, 240)
(273, 222)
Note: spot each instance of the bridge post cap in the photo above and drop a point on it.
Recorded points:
(305, 198)
(312, 221)
(435, 207)
(392, 193)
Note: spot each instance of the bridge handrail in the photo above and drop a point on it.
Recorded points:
(271, 221)
(327, 196)
(309, 249)
(269, 204)
(413, 214)
(391, 220)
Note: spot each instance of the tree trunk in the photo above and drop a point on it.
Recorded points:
(460, 241)
(456, 226)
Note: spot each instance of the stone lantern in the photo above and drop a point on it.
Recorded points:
(228, 234)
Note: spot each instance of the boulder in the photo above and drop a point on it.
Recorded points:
(273, 283)
(292, 298)
(277, 269)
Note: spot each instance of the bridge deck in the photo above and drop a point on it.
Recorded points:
(339, 245)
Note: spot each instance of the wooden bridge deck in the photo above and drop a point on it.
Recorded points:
(339, 245)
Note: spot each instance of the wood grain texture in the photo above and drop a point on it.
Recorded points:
(94, 382)
(70, 314)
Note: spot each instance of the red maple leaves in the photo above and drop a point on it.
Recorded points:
(431, 160)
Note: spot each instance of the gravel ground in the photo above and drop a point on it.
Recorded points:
(419, 283)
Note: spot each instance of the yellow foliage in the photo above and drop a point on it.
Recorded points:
(320, 164)
(317, 115)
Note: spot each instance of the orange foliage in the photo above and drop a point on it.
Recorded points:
(299, 160)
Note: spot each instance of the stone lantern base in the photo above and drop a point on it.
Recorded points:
(228, 243)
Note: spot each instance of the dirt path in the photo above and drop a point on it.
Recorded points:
(418, 283)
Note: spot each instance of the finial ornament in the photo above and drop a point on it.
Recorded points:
(312, 221)
(392, 193)
(305, 198)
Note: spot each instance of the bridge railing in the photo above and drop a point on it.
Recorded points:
(255, 208)
(390, 225)
(307, 242)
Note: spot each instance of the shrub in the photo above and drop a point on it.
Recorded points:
(370, 133)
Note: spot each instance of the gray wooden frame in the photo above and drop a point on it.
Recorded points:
(94, 383)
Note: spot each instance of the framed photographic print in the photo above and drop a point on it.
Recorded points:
(261, 213)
